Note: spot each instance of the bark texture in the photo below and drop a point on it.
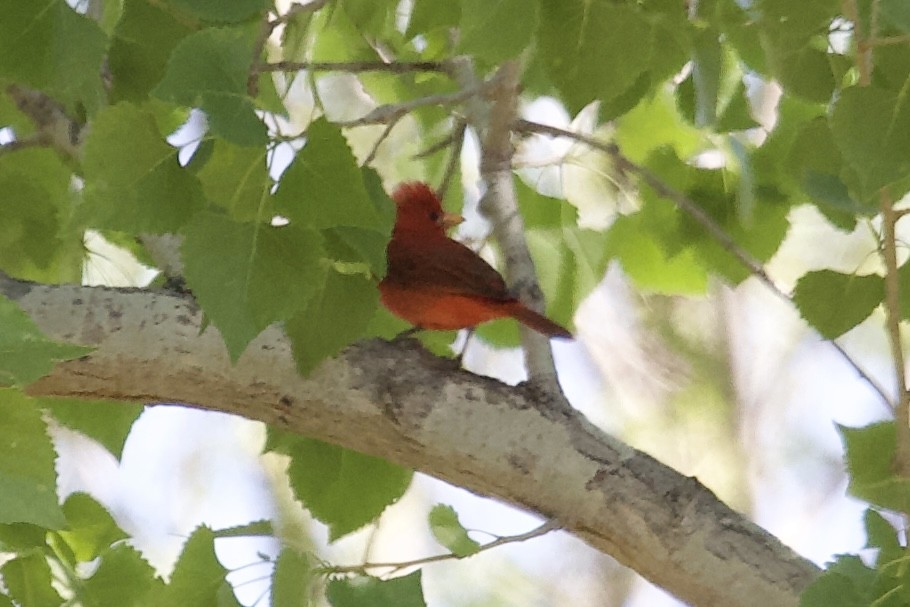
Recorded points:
(398, 402)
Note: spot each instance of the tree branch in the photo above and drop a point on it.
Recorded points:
(362, 569)
(354, 67)
(893, 323)
(393, 112)
(691, 208)
(499, 202)
(396, 401)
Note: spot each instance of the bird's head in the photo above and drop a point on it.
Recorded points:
(419, 210)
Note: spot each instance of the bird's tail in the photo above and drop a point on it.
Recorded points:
(538, 322)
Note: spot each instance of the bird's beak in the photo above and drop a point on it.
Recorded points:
(450, 220)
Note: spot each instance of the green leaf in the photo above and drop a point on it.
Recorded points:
(584, 46)
(257, 528)
(28, 581)
(871, 127)
(90, 528)
(133, 181)
(143, 40)
(647, 261)
(332, 318)
(36, 243)
(107, 422)
(449, 532)
(815, 163)
(897, 12)
(25, 353)
(248, 275)
(358, 245)
(870, 457)
(495, 30)
(236, 179)
(846, 583)
(653, 124)
(881, 535)
(431, 14)
(365, 591)
(342, 488)
(737, 114)
(209, 70)
(123, 578)
(323, 187)
(219, 11)
(291, 579)
(753, 214)
(198, 576)
(49, 46)
(834, 303)
(23, 537)
(28, 480)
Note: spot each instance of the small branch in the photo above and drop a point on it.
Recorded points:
(394, 112)
(361, 569)
(440, 145)
(382, 137)
(500, 203)
(355, 67)
(32, 141)
(892, 322)
(454, 158)
(265, 31)
(890, 40)
(53, 126)
(863, 45)
(683, 202)
(689, 206)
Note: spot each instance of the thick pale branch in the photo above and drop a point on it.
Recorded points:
(500, 204)
(396, 401)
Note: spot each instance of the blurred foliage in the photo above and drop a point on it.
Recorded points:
(675, 89)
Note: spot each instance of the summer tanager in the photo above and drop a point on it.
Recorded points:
(434, 282)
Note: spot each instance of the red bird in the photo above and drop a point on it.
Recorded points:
(434, 282)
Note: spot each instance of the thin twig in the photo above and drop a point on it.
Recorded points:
(382, 137)
(437, 147)
(893, 324)
(355, 67)
(33, 141)
(890, 40)
(706, 221)
(683, 202)
(454, 158)
(384, 114)
(265, 31)
(545, 528)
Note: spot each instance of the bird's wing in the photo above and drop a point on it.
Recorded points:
(448, 267)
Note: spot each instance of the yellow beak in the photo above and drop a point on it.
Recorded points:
(450, 220)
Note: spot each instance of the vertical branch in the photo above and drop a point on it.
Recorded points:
(500, 204)
(861, 42)
(893, 319)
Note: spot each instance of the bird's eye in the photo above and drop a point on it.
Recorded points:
(434, 216)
